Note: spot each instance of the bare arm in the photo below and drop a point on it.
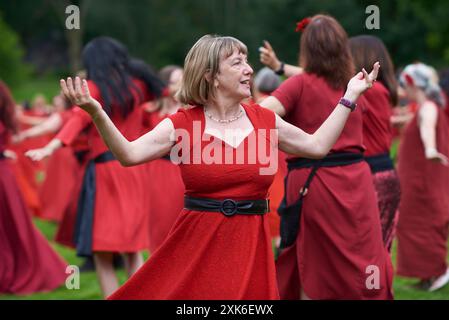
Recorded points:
(427, 120)
(268, 58)
(51, 124)
(48, 150)
(317, 145)
(150, 146)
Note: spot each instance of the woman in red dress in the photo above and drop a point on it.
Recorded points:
(219, 248)
(423, 225)
(331, 238)
(110, 216)
(377, 129)
(165, 186)
(28, 263)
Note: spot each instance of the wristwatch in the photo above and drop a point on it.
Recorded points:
(348, 104)
(281, 70)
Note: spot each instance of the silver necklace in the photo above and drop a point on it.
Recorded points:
(223, 120)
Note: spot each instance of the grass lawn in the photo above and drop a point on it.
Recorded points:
(89, 288)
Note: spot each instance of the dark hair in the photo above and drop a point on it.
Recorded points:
(110, 67)
(324, 51)
(7, 108)
(366, 50)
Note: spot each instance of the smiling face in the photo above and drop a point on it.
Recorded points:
(233, 78)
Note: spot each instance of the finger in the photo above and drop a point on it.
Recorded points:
(374, 73)
(64, 88)
(365, 74)
(70, 88)
(78, 90)
(263, 50)
(86, 88)
(267, 45)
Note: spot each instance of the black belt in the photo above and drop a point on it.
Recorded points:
(2, 155)
(83, 237)
(228, 207)
(291, 215)
(380, 162)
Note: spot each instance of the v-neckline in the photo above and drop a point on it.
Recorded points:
(250, 118)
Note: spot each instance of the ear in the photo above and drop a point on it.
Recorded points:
(208, 76)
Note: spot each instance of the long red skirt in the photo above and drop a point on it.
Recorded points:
(208, 256)
(59, 185)
(339, 252)
(27, 262)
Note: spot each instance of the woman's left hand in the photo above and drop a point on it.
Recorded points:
(361, 82)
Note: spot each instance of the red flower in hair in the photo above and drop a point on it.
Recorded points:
(301, 25)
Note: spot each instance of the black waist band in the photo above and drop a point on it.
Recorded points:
(83, 237)
(228, 207)
(2, 155)
(331, 160)
(381, 162)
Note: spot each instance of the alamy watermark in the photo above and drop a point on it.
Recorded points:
(72, 282)
(373, 20)
(72, 22)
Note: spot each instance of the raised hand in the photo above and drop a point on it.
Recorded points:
(268, 56)
(362, 81)
(78, 93)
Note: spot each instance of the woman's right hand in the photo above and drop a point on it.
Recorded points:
(361, 82)
(78, 94)
(268, 57)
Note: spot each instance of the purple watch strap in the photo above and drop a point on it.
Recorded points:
(347, 103)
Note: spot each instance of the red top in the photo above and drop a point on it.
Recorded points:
(377, 129)
(221, 181)
(130, 127)
(4, 137)
(308, 101)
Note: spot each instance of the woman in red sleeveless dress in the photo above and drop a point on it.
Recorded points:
(27, 262)
(331, 238)
(219, 248)
(423, 225)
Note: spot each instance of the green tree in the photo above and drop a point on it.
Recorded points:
(12, 68)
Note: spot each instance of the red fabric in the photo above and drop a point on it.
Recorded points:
(120, 219)
(165, 192)
(340, 232)
(208, 255)
(60, 180)
(28, 263)
(424, 209)
(377, 129)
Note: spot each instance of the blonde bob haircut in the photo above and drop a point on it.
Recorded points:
(202, 65)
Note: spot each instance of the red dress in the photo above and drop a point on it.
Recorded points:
(27, 262)
(208, 255)
(424, 209)
(120, 221)
(165, 192)
(340, 236)
(60, 180)
(377, 138)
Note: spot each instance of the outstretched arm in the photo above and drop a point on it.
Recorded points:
(317, 145)
(52, 124)
(150, 146)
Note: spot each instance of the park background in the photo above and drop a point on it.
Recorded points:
(36, 49)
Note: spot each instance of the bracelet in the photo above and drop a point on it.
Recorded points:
(281, 70)
(348, 104)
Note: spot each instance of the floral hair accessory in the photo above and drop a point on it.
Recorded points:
(301, 25)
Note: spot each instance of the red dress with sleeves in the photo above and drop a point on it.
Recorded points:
(27, 262)
(208, 255)
(120, 221)
(340, 234)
